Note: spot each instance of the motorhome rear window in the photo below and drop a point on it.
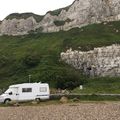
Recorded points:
(26, 89)
(43, 89)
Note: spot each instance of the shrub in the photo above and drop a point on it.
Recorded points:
(70, 80)
(59, 23)
(31, 60)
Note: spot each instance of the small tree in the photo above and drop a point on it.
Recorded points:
(70, 80)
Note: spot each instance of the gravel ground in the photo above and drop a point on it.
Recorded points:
(71, 111)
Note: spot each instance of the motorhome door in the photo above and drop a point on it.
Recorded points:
(14, 93)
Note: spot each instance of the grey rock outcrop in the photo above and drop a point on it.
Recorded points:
(80, 13)
(84, 12)
(102, 61)
(17, 26)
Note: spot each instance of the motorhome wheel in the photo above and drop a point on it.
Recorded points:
(7, 101)
(37, 99)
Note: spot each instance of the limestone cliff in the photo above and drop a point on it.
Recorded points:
(103, 61)
(80, 13)
(17, 27)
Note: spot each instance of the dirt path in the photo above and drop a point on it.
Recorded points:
(72, 111)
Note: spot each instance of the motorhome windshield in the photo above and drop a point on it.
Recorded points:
(8, 91)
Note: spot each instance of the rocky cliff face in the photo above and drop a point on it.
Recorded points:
(103, 61)
(80, 13)
(17, 27)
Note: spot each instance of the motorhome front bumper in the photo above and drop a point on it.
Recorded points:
(1, 99)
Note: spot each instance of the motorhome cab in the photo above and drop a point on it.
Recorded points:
(25, 92)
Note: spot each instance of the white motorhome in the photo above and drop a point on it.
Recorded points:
(25, 92)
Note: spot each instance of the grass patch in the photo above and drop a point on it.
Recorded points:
(100, 85)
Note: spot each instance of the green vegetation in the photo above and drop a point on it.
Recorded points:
(61, 23)
(100, 85)
(58, 11)
(38, 18)
(38, 54)
(93, 97)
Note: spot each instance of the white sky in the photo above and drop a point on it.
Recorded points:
(36, 6)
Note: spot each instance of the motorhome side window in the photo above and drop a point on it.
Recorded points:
(43, 89)
(26, 90)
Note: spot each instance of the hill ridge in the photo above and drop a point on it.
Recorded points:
(80, 13)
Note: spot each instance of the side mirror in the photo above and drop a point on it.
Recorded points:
(10, 93)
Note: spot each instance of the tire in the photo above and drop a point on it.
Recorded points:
(6, 101)
(37, 99)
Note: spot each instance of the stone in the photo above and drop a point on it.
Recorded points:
(64, 99)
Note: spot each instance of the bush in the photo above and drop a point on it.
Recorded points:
(31, 60)
(59, 23)
(70, 80)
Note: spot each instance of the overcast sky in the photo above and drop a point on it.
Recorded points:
(36, 6)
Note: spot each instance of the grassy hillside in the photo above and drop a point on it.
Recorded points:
(38, 54)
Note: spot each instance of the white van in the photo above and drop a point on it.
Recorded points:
(26, 92)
